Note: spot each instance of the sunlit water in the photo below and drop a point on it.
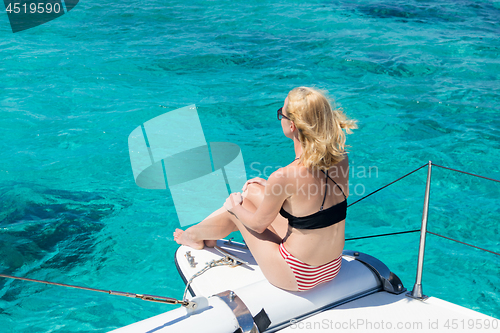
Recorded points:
(420, 77)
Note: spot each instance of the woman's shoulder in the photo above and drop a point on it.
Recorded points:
(289, 172)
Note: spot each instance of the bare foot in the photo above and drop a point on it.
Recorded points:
(210, 243)
(183, 238)
(177, 233)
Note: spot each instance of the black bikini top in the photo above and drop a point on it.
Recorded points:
(322, 218)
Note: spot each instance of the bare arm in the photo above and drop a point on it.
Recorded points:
(277, 189)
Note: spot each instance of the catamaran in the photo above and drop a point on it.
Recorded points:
(226, 292)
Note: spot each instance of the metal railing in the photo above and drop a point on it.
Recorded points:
(417, 287)
(417, 292)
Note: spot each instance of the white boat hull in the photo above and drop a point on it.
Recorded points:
(351, 302)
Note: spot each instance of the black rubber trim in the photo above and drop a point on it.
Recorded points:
(262, 320)
(181, 274)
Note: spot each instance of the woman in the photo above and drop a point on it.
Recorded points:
(294, 222)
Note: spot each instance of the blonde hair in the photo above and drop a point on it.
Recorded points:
(321, 127)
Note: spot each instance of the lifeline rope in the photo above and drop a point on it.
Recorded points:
(467, 173)
(151, 298)
(410, 231)
(366, 196)
(477, 247)
(392, 233)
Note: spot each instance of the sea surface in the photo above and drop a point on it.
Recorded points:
(421, 77)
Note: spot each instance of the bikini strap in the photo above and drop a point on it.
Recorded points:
(340, 188)
(326, 187)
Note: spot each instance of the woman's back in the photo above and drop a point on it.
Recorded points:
(319, 245)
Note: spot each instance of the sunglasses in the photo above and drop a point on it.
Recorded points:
(281, 115)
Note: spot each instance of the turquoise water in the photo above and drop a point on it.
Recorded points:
(420, 77)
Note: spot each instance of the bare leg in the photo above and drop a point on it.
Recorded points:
(264, 246)
(218, 224)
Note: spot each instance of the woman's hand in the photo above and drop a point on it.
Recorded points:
(256, 180)
(234, 199)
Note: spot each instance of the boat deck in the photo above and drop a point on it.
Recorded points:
(383, 311)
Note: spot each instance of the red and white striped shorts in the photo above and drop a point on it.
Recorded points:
(308, 276)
